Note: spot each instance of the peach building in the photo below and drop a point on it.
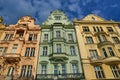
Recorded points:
(99, 44)
(19, 46)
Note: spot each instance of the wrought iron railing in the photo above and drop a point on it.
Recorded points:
(60, 76)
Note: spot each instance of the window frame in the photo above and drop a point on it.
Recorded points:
(99, 72)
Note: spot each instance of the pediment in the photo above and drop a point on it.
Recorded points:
(93, 17)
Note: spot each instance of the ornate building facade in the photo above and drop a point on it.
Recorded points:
(19, 47)
(59, 55)
(99, 44)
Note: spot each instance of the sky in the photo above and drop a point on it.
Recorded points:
(12, 10)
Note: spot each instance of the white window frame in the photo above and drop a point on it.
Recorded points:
(45, 51)
(98, 69)
(72, 50)
(43, 69)
(14, 48)
(115, 70)
(58, 46)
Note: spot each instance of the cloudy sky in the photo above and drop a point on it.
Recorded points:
(11, 10)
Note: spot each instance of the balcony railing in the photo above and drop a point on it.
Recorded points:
(68, 76)
(12, 57)
(15, 77)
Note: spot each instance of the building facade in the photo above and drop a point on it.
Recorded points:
(99, 44)
(2, 27)
(19, 47)
(59, 55)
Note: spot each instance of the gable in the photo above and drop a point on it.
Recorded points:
(93, 17)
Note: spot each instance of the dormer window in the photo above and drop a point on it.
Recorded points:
(57, 17)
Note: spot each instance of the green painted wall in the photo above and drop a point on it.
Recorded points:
(65, 27)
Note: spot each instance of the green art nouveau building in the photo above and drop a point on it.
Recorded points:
(59, 57)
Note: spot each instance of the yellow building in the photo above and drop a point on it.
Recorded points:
(2, 27)
(19, 46)
(99, 44)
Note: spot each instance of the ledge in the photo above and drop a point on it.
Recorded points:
(111, 60)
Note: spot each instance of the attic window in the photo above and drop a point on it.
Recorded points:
(57, 17)
(92, 18)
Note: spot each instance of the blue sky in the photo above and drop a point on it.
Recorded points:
(11, 10)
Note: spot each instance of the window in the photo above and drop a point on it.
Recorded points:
(58, 48)
(19, 33)
(92, 18)
(104, 52)
(115, 71)
(30, 52)
(72, 50)
(63, 69)
(116, 40)
(44, 69)
(89, 40)
(8, 36)
(45, 49)
(93, 54)
(55, 69)
(86, 29)
(102, 38)
(27, 51)
(32, 37)
(99, 72)
(3, 50)
(26, 71)
(97, 29)
(14, 48)
(75, 68)
(70, 37)
(99, 38)
(94, 29)
(57, 17)
(101, 28)
(10, 71)
(111, 51)
(58, 34)
(23, 71)
(45, 37)
(110, 29)
(29, 71)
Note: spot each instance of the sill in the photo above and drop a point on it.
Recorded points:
(44, 56)
(73, 55)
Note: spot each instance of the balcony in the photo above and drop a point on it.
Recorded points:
(96, 60)
(104, 43)
(100, 32)
(15, 77)
(56, 56)
(12, 57)
(69, 76)
(60, 39)
(111, 60)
